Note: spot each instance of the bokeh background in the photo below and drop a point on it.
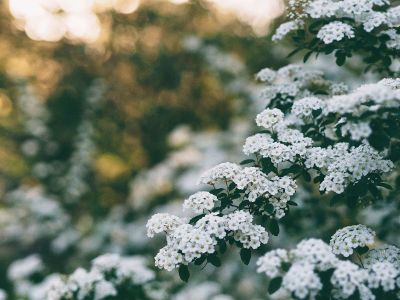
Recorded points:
(110, 110)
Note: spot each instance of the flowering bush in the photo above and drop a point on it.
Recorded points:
(345, 27)
(313, 134)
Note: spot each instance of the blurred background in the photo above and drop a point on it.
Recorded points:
(109, 111)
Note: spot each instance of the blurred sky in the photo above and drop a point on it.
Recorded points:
(78, 20)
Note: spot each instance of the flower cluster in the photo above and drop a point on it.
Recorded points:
(222, 172)
(39, 217)
(312, 268)
(345, 240)
(346, 22)
(200, 201)
(348, 166)
(110, 277)
(162, 222)
(187, 242)
(335, 31)
(269, 118)
(294, 81)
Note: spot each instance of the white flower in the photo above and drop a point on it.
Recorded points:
(345, 240)
(271, 262)
(23, 268)
(384, 253)
(225, 171)
(200, 201)
(383, 274)
(302, 281)
(315, 252)
(162, 222)
(266, 75)
(321, 8)
(346, 278)
(286, 28)
(269, 118)
(335, 31)
(304, 107)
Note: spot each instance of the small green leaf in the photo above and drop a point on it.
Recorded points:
(290, 202)
(247, 161)
(214, 260)
(362, 250)
(273, 227)
(385, 185)
(274, 285)
(200, 260)
(184, 273)
(196, 218)
(222, 246)
(245, 255)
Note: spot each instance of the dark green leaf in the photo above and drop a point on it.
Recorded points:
(200, 260)
(274, 285)
(196, 218)
(247, 161)
(245, 255)
(214, 260)
(184, 273)
(362, 250)
(273, 227)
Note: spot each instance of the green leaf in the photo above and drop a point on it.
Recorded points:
(245, 255)
(222, 246)
(273, 227)
(307, 56)
(290, 202)
(274, 285)
(184, 273)
(196, 218)
(214, 260)
(200, 260)
(247, 161)
(216, 191)
(362, 250)
(385, 185)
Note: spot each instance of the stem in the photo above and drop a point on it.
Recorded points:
(360, 260)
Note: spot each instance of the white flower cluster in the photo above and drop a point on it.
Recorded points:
(368, 97)
(285, 29)
(301, 268)
(304, 107)
(163, 222)
(222, 172)
(384, 253)
(20, 272)
(39, 217)
(383, 274)
(200, 201)
(108, 273)
(277, 190)
(269, 118)
(352, 166)
(294, 81)
(74, 182)
(189, 242)
(346, 239)
(271, 262)
(357, 131)
(394, 41)
(343, 165)
(301, 279)
(368, 14)
(347, 278)
(335, 31)
(290, 143)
